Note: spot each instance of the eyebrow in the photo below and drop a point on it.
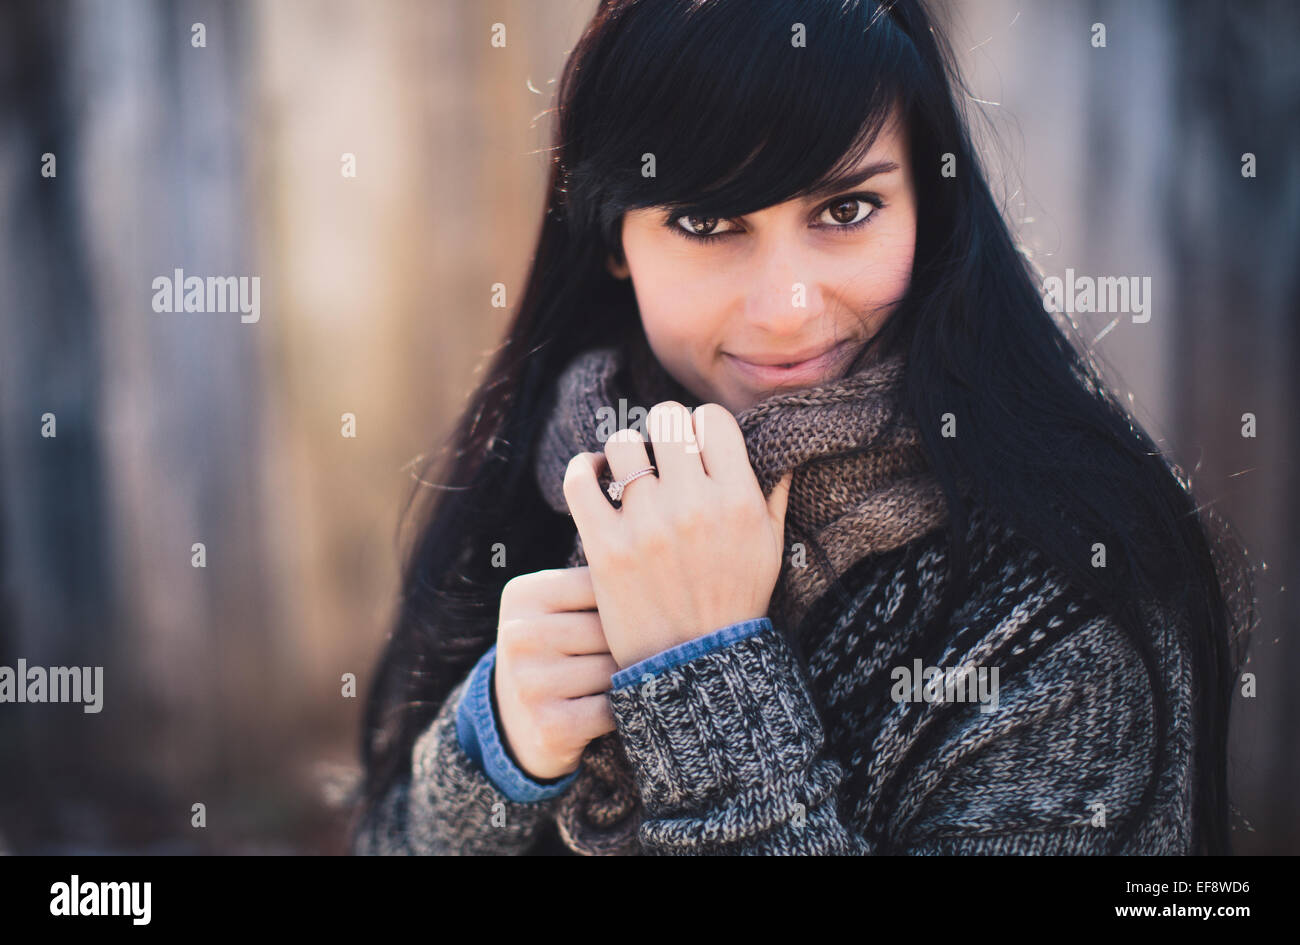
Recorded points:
(846, 181)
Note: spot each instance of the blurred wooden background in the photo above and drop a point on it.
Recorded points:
(222, 684)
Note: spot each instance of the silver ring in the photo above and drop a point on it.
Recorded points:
(616, 487)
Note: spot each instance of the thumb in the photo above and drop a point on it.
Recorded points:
(777, 501)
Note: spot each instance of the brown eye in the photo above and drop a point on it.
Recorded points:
(846, 211)
(699, 226)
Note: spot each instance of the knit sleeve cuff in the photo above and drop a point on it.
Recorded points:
(447, 805)
(685, 652)
(732, 722)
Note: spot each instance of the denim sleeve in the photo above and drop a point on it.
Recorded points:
(684, 652)
(479, 733)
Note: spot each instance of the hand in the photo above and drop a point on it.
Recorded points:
(553, 671)
(690, 551)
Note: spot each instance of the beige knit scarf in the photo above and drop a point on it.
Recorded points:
(848, 506)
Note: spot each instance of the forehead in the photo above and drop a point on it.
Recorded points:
(890, 141)
(886, 154)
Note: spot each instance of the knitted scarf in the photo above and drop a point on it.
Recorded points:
(841, 509)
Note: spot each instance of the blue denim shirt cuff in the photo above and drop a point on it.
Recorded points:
(684, 652)
(479, 736)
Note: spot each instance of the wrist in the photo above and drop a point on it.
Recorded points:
(650, 645)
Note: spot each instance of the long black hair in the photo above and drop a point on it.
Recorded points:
(749, 103)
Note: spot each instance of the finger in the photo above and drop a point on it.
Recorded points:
(778, 501)
(626, 453)
(587, 675)
(591, 511)
(592, 716)
(556, 590)
(572, 634)
(722, 446)
(672, 433)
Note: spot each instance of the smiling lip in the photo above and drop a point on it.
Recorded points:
(809, 370)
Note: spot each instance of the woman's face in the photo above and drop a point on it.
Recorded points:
(808, 281)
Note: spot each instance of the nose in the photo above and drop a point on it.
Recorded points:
(784, 292)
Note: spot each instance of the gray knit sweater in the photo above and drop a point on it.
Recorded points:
(744, 751)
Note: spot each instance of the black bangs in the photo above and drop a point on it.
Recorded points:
(724, 107)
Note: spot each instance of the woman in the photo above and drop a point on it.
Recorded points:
(893, 571)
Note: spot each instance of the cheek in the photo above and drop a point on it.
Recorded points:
(669, 325)
(885, 278)
(674, 306)
(662, 293)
